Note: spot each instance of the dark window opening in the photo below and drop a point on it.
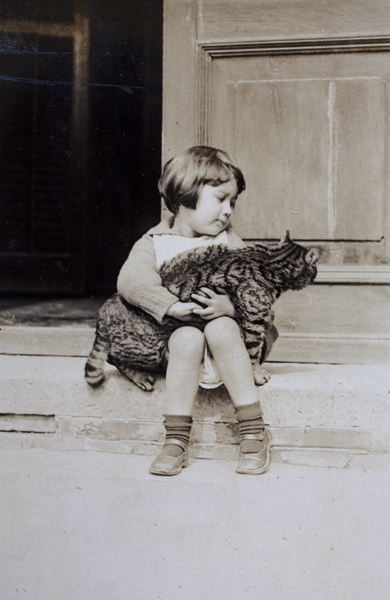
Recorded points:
(80, 141)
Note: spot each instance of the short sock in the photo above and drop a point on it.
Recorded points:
(250, 418)
(177, 427)
(248, 412)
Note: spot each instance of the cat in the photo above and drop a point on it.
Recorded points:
(253, 277)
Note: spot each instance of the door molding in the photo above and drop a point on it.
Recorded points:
(353, 274)
(209, 51)
(299, 46)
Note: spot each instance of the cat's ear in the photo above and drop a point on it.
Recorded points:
(312, 256)
(285, 237)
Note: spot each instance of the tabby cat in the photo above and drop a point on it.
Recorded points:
(253, 277)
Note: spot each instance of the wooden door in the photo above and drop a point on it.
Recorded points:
(299, 94)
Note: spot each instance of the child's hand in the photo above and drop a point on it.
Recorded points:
(182, 310)
(216, 305)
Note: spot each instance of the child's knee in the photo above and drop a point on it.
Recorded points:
(222, 330)
(187, 341)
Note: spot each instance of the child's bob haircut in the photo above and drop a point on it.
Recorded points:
(184, 175)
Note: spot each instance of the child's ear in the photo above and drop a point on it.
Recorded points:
(285, 237)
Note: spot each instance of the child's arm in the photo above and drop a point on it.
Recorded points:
(140, 284)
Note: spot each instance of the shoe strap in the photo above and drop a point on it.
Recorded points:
(176, 442)
(252, 436)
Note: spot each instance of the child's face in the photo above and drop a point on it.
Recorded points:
(214, 209)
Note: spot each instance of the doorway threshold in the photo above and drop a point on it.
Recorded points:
(29, 311)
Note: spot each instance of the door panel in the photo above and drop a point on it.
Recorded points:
(290, 19)
(312, 142)
(359, 142)
(288, 183)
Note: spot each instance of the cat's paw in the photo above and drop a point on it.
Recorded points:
(145, 381)
(261, 376)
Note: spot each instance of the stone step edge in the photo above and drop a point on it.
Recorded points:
(310, 457)
(218, 437)
(290, 347)
(212, 431)
(226, 433)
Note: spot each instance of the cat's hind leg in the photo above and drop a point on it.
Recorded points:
(142, 379)
(260, 376)
(257, 351)
(269, 337)
(94, 367)
(137, 358)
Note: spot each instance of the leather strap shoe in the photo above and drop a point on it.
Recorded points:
(164, 464)
(255, 463)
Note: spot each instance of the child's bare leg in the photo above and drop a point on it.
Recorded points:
(232, 359)
(186, 348)
(234, 366)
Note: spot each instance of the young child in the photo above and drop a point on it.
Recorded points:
(200, 188)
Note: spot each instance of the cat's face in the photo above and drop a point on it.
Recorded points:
(293, 263)
(302, 263)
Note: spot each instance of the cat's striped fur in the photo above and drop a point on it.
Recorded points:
(253, 277)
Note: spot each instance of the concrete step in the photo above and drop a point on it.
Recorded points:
(353, 334)
(317, 414)
(77, 340)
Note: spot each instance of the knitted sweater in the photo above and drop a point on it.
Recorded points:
(139, 282)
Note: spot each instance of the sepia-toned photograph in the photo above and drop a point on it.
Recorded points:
(194, 299)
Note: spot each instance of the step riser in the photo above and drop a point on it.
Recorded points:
(314, 457)
(289, 400)
(216, 434)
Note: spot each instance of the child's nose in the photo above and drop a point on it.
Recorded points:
(227, 209)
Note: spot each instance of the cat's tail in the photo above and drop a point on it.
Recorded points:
(94, 367)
